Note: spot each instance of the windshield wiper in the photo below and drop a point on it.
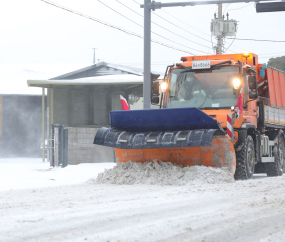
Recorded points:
(216, 108)
(184, 67)
(224, 62)
(210, 108)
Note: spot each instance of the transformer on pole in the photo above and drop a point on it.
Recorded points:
(222, 28)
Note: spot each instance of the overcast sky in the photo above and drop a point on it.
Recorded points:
(41, 41)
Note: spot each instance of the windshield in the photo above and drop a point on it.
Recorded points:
(206, 88)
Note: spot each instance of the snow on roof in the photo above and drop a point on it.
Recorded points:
(98, 80)
(96, 69)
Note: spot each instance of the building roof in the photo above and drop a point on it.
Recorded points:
(101, 69)
(100, 75)
(89, 81)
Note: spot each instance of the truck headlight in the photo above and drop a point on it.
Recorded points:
(163, 86)
(236, 83)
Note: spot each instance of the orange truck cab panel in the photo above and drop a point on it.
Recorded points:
(241, 62)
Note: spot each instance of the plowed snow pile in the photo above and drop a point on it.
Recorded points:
(163, 173)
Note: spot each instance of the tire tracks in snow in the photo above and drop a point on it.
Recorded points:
(246, 210)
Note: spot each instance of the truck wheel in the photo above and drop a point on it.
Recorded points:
(276, 168)
(245, 160)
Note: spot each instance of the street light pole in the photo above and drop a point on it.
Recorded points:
(147, 56)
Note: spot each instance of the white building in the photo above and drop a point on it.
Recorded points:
(82, 100)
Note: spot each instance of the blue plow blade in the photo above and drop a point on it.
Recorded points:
(159, 128)
(166, 119)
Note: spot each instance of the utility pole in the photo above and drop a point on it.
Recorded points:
(94, 55)
(98, 60)
(219, 49)
(147, 56)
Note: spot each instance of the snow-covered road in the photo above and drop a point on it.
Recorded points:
(242, 211)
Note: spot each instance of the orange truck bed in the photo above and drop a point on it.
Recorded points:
(276, 83)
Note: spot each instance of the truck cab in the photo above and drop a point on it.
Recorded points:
(234, 86)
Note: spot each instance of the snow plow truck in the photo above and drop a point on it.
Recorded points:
(220, 111)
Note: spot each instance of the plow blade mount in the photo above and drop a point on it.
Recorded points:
(184, 136)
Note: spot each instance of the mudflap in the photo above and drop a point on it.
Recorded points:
(209, 147)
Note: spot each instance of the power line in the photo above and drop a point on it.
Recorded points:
(233, 39)
(178, 20)
(166, 21)
(160, 27)
(226, 8)
(282, 41)
(231, 43)
(130, 8)
(120, 13)
(246, 39)
(240, 8)
(223, 5)
(181, 27)
(170, 23)
(113, 26)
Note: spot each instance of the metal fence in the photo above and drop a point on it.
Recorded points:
(58, 147)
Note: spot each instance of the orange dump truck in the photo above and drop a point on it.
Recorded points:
(219, 110)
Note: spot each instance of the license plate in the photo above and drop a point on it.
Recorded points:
(204, 64)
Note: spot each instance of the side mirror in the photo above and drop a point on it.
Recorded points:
(155, 92)
(155, 88)
(253, 94)
(252, 82)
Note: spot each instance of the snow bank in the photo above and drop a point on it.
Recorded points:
(163, 173)
(26, 173)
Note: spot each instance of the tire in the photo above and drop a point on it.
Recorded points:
(276, 168)
(245, 160)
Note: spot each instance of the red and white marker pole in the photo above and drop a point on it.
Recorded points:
(230, 126)
(124, 103)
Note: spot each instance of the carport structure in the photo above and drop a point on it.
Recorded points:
(82, 100)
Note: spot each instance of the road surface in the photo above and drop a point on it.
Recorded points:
(242, 211)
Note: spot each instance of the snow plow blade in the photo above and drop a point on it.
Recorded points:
(184, 136)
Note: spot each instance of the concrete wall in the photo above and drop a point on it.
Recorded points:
(62, 109)
(82, 150)
(82, 107)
